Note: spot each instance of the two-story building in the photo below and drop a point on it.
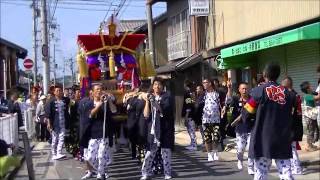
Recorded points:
(248, 34)
(240, 36)
(185, 40)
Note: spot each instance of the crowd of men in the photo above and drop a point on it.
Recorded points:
(150, 127)
(267, 118)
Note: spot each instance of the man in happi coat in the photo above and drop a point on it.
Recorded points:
(271, 134)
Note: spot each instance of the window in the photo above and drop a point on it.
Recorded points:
(178, 41)
(184, 20)
(179, 23)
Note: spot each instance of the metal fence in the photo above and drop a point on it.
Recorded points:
(9, 129)
(29, 122)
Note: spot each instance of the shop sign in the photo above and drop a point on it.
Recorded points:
(199, 7)
(256, 45)
(309, 32)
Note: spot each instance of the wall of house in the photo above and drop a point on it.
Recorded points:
(160, 42)
(175, 7)
(179, 36)
(13, 68)
(1, 74)
(9, 55)
(235, 20)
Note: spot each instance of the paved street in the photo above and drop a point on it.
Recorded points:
(186, 165)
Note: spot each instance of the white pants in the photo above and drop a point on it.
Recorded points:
(191, 128)
(262, 167)
(147, 163)
(98, 154)
(295, 161)
(57, 142)
(242, 140)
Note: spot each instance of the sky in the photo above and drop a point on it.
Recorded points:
(16, 22)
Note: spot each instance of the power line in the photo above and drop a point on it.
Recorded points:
(65, 0)
(125, 8)
(117, 11)
(105, 16)
(86, 3)
(67, 7)
(59, 7)
(54, 10)
(121, 4)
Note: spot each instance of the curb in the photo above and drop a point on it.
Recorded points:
(310, 163)
(305, 160)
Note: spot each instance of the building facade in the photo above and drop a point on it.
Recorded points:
(239, 36)
(249, 34)
(185, 42)
(10, 53)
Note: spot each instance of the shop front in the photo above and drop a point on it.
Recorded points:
(297, 51)
(177, 72)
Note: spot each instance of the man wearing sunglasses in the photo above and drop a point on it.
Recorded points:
(211, 119)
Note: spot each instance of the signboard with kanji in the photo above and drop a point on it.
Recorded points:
(199, 7)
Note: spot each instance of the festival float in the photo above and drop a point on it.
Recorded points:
(115, 60)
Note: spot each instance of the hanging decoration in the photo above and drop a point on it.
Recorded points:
(150, 71)
(146, 68)
(142, 66)
(83, 66)
(112, 65)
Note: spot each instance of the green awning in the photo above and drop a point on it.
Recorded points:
(308, 32)
(235, 62)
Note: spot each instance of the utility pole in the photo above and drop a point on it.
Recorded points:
(4, 50)
(35, 44)
(45, 52)
(150, 30)
(64, 74)
(71, 66)
(54, 63)
(5, 77)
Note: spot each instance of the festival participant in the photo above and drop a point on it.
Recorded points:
(242, 128)
(199, 104)
(160, 128)
(72, 142)
(318, 91)
(136, 123)
(222, 91)
(84, 133)
(188, 109)
(66, 93)
(211, 119)
(297, 127)
(271, 134)
(100, 132)
(57, 112)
